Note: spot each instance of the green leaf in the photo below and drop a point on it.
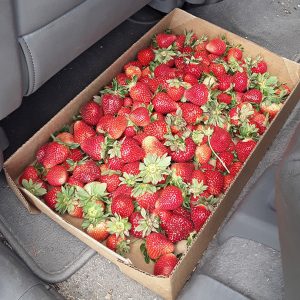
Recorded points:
(96, 188)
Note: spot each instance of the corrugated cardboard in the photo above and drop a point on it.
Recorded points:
(133, 266)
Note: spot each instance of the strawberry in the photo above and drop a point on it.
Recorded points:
(55, 154)
(99, 231)
(145, 56)
(135, 220)
(217, 69)
(220, 139)
(51, 197)
(244, 148)
(272, 109)
(235, 167)
(178, 228)
(241, 113)
(130, 131)
(165, 265)
(118, 244)
(122, 205)
(66, 138)
(175, 93)
(199, 176)
(203, 154)
(191, 113)
(91, 113)
(186, 153)
(104, 123)
(73, 181)
(139, 137)
(152, 145)
(261, 67)
(199, 215)
(87, 171)
(163, 103)
(158, 244)
(194, 69)
(147, 200)
(111, 104)
(183, 170)
(82, 131)
(122, 79)
(214, 182)
(197, 94)
(157, 82)
(224, 98)
(116, 127)
(170, 198)
(140, 92)
(216, 46)
(41, 153)
(132, 168)
(164, 40)
(29, 172)
(57, 175)
(234, 53)
(164, 71)
(227, 158)
(140, 116)
(93, 146)
(224, 82)
(133, 72)
(228, 180)
(254, 96)
(115, 163)
(134, 63)
(157, 129)
(122, 190)
(180, 211)
(260, 121)
(240, 81)
(112, 181)
(131, 151)
(190, 78)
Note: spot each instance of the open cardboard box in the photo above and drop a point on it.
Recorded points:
(178, 20)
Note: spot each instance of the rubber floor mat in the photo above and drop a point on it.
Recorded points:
(49, 251)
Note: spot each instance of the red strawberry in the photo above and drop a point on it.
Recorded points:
(122, 190)
(157, 129)
(132, 168)
(180, 211)
(199, 215)
(145, 56)
(203, 154)
(199, 176)
(261, 67)
(57, 175)
(228, 180)
(157, 245)
(163, 103)
(191, 113)
(133, 71)
(41, 153)
(66, 138)
(118, 244)
(140, 92)
(164, 40)
(103, 123)
(122, 78)
(190, 78)
(254, 96)
(234, 53)
(116, 127)
(217, 69)
(135, 219)
(165, 265)
(111, 104)
(73, 181)
(183, 170)
(122, 205)
(197, 94)
(224, 98)
(99, 232)
(216, 46)
(178, 228)
(130, 131)
(140, 116)
(220, 139)
(152, 145)
(170, 198)
(186, 154)
(214, 182)
(55, 154)
(157, 82)
(240, 81)
(134, 63)
(131, 151)
(30, 172)
(86, 172)
(193, 68)
(112, 182)
(91, 112)
(227, 158)
(51, 197)
(260, 121)
(82, 131)
(244, 148)
(164, 71)
(241, 113)
(235, 168)
(115, 163)
(93, 146)
(224, 82)
(272, 109)
(147, 200)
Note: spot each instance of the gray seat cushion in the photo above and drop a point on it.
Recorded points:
(33, 14)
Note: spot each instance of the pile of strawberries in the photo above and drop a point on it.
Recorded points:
(154, 152)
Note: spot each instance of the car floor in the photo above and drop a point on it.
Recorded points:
(252, 269)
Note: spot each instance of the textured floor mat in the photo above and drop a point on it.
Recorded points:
(49, 250)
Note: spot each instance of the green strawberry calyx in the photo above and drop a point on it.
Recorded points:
(93, 214)
(119, 226)
(66, 200)
(92, 192)
(148, 224)
(197, 188)
(34, 188)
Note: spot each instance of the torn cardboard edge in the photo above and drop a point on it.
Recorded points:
(178, 21)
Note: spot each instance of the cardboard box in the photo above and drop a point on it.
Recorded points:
(168, 288)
